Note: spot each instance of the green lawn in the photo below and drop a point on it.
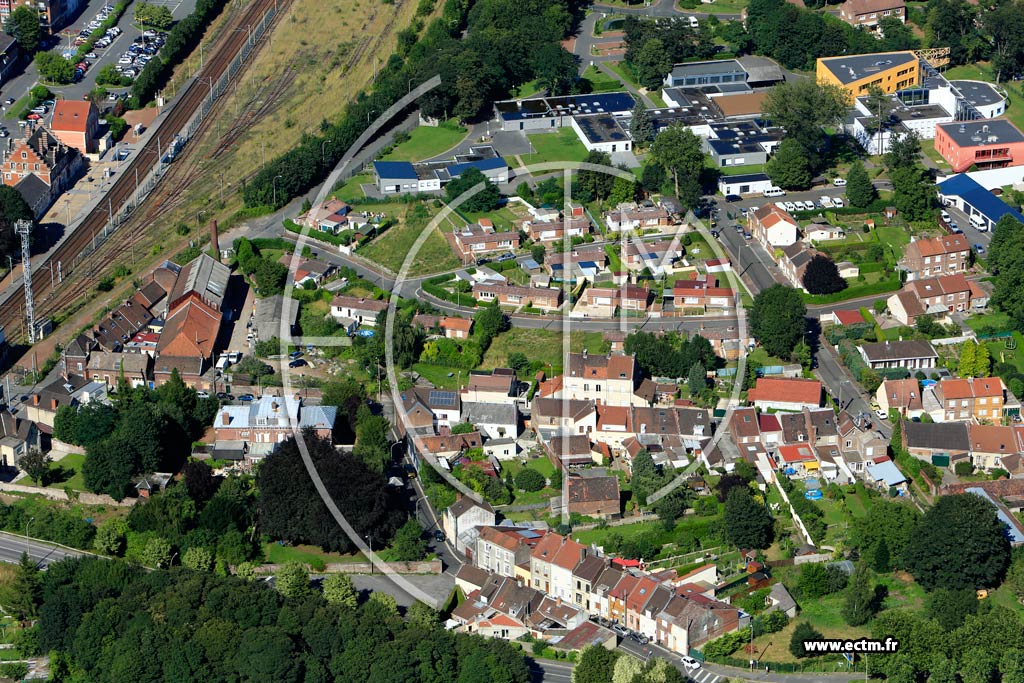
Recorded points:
(278, 554)
(1001, 354)
(504, 217)
(562, 145)
(391, 248)
(426, 142)
(540, 345)
(66, 472)
(600, 81)
(527, 89)
(996, 320)
(624, 72)
(351, 189)
(438, 375)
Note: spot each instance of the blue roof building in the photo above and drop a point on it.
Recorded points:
(403, 177)
(887, 473)
(981, 206)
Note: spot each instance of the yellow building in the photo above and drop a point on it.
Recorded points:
(891, 71)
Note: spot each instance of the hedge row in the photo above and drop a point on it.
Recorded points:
(181, 40)
(882, 287)
(433, 287)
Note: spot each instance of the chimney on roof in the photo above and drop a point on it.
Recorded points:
(225, 418)
(213, 239)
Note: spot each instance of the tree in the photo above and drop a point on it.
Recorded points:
(959, 543)
(748, 524)
(651, 63)
(790, 168)
(623, 190)
(110, 536)
(968, 356)
(157, 553)
(591, 185)
(653, 177)
(679, 151)
(555, 69)
(913, 192)
(486, 199)
(153, 16)
(385, 600)
(880, 559)
(595, 665)
(803, 632)
(23, 24)
(292, 580)
(271, 277)
(22, 595)
(822, 276)
(488, 322)
(904, 151)
(339, 591)
(859, 189)
(627, 669)
(422, 615)
(199, 481)
(1011, 665)
(696, 379)
(518, 361)
(54, 68)
(777, 319)
(530, 479)
(538, 251)
(951, 607)
(12, 209)
(1006, 263)
(197, 558)
(35, 464)
(803, 107)
(409, 545)
(641, 128)
(859, 603)
(109, 467)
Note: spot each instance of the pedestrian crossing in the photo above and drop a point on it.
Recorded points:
(704, 676)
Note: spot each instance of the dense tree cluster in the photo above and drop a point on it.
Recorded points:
(144, 430)
(480, 49)
(748, 523)
(290, 507)
(1006, 263)
(803, 108)
(671, 354)
(13, 208)
(653, 46)
(23, 24)
(777, 319)
(822, 276)
(109, 622)
(796, 37)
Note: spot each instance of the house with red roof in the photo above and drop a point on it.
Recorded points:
(785, 393)
(76, 124)
(845, 317)
(773, 227)
(798, 457)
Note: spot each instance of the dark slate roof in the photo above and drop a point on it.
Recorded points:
(938, 436)
(899, 350)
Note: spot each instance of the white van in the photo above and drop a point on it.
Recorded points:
(979, 222)
(774, 192)
(693, 22)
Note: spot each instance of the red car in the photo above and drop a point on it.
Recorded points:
(33, 117)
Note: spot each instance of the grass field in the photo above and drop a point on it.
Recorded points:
(426, 142)
(66, 472)
(438, 375)
(279, 554)
(624, 72)
(391, 248)
(600, 81)
(351, 189)
(562, 145)
(539, 345)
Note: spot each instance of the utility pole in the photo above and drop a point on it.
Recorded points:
(24, 229)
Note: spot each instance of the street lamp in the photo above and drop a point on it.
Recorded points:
(369, 542)
(274, 183)
(323, 147)
(369, 114)
(171, 562)
(30, 520)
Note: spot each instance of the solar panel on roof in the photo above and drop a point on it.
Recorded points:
(529, 534)
(442, 398)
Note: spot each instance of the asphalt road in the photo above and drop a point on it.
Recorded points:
(19, 86)
(12, 546)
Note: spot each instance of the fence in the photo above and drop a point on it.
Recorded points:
(144, 186)
(425, 567)
(58, 494)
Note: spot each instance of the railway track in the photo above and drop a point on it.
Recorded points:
(68, 253)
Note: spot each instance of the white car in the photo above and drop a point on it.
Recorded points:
(790, 206)
(839, 182)
(690, 663)
(781, 205)
(882, 415)
(838, 202)
(125, 60)
(945, 215)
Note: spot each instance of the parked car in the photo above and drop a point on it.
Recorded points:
(482, 261)
(299, 363)
(979, 248)
(9, 101)
(620, 629)
(945, 215)
(839, 182)
(690, 663)
(439, 536)
(246, 397)
(790, 206)
(838, 202)
(825, 202)
(295, 354)
(733, 198)
(506, 257)
(202, 394)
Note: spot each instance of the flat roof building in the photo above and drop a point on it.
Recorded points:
(891, 71)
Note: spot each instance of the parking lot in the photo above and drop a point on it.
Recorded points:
(19, 86)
